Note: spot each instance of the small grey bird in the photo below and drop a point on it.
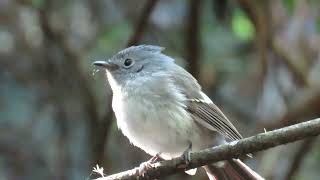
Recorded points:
(161, 108)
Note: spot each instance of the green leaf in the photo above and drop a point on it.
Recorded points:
(289, 5)
(242, 26)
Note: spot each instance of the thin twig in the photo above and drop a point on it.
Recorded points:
(301, 109)
(260, 21)
(71, 60)
(278, 48)
(193, 38)
(224, 152)
(142, 22)
(303, 150)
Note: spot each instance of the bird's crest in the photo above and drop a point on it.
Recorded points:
(142, 48)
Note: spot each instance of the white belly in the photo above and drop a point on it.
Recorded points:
(154, 127)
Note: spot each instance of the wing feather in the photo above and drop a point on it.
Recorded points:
(203, 110)
(209, 114)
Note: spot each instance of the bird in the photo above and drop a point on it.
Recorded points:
(161, 108)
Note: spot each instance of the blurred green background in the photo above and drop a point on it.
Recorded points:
(258, 60)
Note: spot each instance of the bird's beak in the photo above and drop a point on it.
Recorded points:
(106, 64)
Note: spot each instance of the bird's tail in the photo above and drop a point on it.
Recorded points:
(231, 170)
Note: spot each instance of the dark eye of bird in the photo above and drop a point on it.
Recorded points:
(128, 62)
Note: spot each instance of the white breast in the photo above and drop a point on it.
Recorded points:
(155, 119)
(149, 122)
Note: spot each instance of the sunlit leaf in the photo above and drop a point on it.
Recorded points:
(242, 26)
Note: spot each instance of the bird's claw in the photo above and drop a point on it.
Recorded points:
(147, 165)
(186, 154)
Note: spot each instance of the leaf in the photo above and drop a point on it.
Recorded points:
(242, 26)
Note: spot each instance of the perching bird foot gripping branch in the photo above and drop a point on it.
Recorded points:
(233, 149)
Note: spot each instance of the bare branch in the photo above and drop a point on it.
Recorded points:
(223, 152)
(302, 108)
(262, 28)
(193, 37)
(300, 76)
(142, 22)
(303, 150)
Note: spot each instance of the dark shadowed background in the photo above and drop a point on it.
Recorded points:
(258, 60)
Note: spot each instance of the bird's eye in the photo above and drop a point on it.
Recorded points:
(128, 62)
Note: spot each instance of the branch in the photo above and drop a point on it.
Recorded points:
(258, 15)
(303, 150)
(58, 38)
(223, 152)
(303, 107)
(193, 37)
(278, 46)
(142, 22)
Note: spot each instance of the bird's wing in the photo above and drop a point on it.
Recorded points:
(209, 115)
(203, 110)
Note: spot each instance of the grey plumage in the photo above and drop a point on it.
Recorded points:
(160, 107)
(209, 115)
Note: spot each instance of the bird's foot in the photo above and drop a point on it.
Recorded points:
(147, 165)
(186, 154)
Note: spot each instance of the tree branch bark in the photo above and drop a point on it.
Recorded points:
(142, 22)
(297, 161)
(193, 37)
(227, 151)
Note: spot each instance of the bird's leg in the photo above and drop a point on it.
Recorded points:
(156, 158)
(147, 165)
(186, 154)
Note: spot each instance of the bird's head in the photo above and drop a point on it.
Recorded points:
(134, 62)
